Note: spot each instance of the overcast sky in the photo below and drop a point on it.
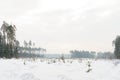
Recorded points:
(63, 25)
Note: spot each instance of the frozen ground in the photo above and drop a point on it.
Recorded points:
(54, 70)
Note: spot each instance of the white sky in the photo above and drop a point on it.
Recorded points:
(63, 25)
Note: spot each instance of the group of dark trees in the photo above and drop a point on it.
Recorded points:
(91, 54)
(82, 54)
(8, 43)
(105, 55)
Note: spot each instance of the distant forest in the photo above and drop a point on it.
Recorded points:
(91, 54)
(30, 51)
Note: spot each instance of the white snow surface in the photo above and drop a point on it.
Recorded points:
(26, 69)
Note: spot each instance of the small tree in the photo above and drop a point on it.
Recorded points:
(63, 58)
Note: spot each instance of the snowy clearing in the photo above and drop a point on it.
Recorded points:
(18, 69)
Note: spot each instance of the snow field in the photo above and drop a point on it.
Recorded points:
(52, 69)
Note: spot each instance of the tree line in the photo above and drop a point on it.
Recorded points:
(91, 54)
(82, 54)
(28, 50)
(10, 46)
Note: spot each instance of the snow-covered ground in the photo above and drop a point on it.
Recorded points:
(18, 69)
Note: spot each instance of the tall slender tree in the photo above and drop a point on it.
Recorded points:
(4, 42)
(11, 39)
(4, 31)
(11, 34)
